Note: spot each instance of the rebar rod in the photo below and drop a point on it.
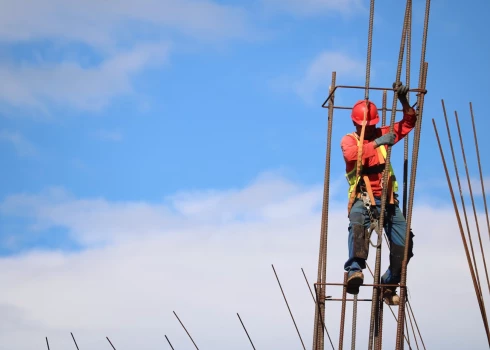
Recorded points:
(415, 320)
(479, 167)
(473, 261)
(169, 343)
(407, 137)
(413, 330)
(318, 335)
(111, 343)
(287, 304)
(354, 323)
(245, 329)
(373, 334)
(472, 272)
(186, 330)
(413, 176)
(74, 340)
(47, 343)
(473, 204)
(314, 300)
(342, 313)
(383, 109)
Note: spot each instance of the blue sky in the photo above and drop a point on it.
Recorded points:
(108, 112)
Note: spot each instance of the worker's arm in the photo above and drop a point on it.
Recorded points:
(404, 126)
(349, 150)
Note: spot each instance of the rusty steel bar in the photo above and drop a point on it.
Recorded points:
(386, 285)
(169, 343)
(475, 266)
(379, 109)
(74, 340)
(292, 317)
(354, 323)
(245, 329)
(342, 314)
(473, 204)
(314, 300)
(380, 318)
(384, 109)
(362, 285)
(318, 335)
(479, 167)
(373, 334)
(110, 343)
(340, 299)
(47, 343)
(369, 50)
(415, 320)
(185, 330)
(463, 238)
(413, 175)
(407, 137)
(413, 330)
(419, 91)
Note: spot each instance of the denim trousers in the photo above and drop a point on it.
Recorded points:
(395, 227)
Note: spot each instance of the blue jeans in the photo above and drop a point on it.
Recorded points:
(395, 227)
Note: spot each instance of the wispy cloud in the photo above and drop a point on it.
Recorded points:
(71, 84)
(21, 145)
(318, 73)
(220, 241)
(102, 24)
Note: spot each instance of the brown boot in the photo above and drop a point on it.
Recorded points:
(354, 281)
(390, 297)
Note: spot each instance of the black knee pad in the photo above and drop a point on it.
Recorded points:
(361, 242)
(396, 259)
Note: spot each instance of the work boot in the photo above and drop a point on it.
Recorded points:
(354, 281)
(390, 297)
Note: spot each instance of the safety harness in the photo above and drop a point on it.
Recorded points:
(360, 185)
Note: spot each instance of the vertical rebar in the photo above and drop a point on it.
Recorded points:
(472, 203)
(375, 307)
(47, 343)
(475, 266)
(314, 300)
(383, 113)
(369, 49)
(74, 341)
(413, 330)
(169, 343)
(472, 272)
(479, 167)
(342, 314)
(292, 317)
(407, 137)
(379, 343)
(186, 330)
(354, 323)
(415, 320)
(318, 335)
(413, 175)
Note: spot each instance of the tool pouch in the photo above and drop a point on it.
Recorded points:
(360, 237)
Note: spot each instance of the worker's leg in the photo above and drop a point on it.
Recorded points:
(395, 227)
(358, 246)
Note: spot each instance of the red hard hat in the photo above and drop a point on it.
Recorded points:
(358, 113)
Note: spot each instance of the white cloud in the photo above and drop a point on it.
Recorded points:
(70, 84)
(22, 146)
(315, 7)
(319, 72)
(208, 258)
(100, 23)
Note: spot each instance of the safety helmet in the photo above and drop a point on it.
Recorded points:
(358, 113)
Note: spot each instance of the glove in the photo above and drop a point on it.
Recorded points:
(386, 139)
(402, 91)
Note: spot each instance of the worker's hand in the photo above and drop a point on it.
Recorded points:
(386, 139)
(402, 92)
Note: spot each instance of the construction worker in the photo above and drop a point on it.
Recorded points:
(366, 188)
